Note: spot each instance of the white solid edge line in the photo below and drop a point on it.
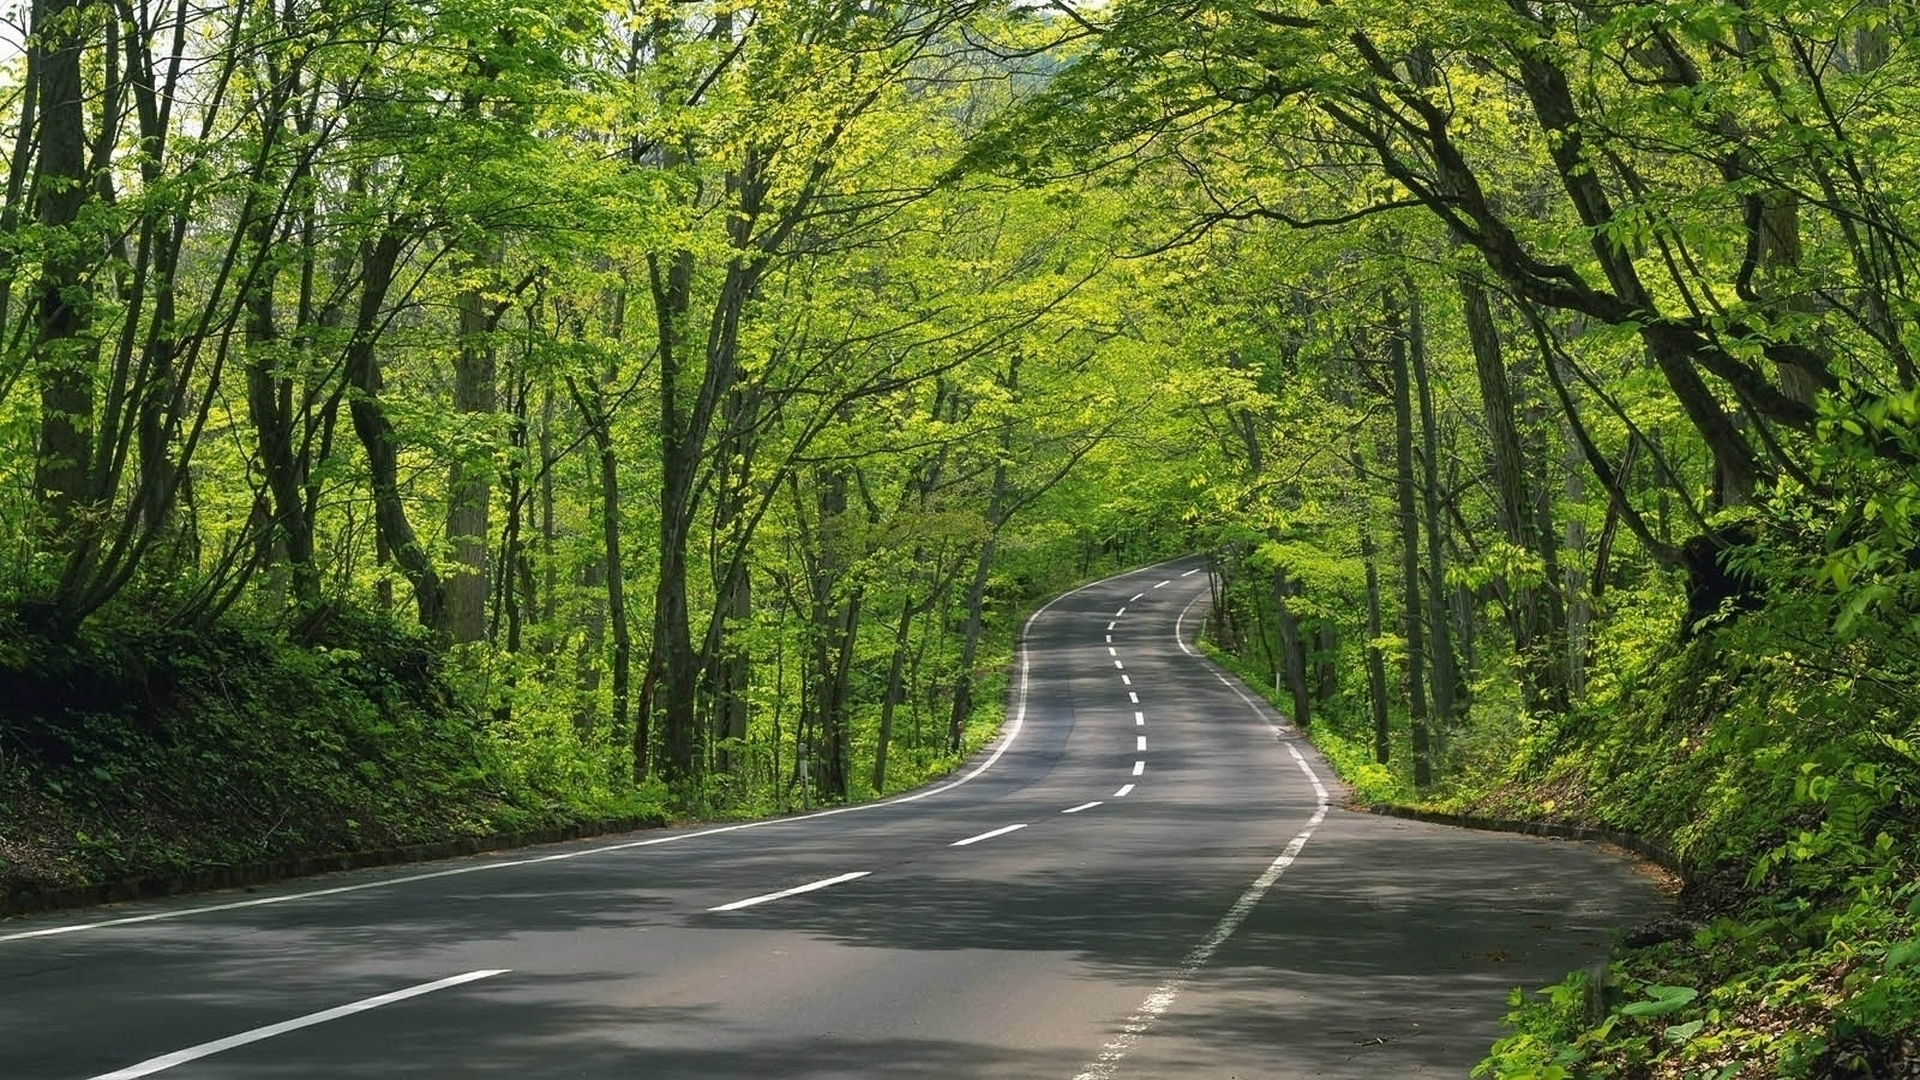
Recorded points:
(1006, 740)
(988, 835)
(1122, 793)
(1179, 635)
(1162, 998)
(1082, 806)
(206, 1049)
(1139, 767)
(810, 886)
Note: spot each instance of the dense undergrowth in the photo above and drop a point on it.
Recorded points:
(1781, 767)
(136, 751)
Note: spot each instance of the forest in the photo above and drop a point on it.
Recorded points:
(433, 420)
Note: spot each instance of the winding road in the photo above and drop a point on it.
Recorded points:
(1149, 875)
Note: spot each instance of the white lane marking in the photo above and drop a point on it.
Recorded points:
(1109, 639)
(207, 1049)
(1126, 680)
(1162, 998)
(1133, 697)
(1135, 596)
(1118, 664)
(810, 886)
(1193, 571)
(1122, 793)
(1139, 718)
(1082, 806)
(1164, 584)
(1140, 743)
(1139, 767)
(1113, 624)
(1122, 611)
(1180, 635)
(1006, 741)
(988, 835)
(1111, 651)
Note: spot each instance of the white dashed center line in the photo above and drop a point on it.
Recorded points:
(1140, 743)
(1139, 767)
(1135, 596)
(1111, 651)
(1133, 697)
(1122, 793)
(1118, 664)
(795, 891)
(1113, 624)
(1193, 571)
(1119, 613)
(1139, 718)
(1164, 584)
(1125, 680)
(988, 835)
(1082, 806)
(207, 1049)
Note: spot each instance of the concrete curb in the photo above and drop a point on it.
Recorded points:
(1639, 845)
(28, 899)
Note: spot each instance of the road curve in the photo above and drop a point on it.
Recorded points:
(1149, 875)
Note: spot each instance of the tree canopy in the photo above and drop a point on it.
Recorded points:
(681, 401)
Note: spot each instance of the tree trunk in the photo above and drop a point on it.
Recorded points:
(1376, 661)
(65, 356)
(593, 412)
(1530, 606)
(470, 477)
(896, 668)
(1446, 674)
(1409, 519)
(377, 437)
(1293, 648)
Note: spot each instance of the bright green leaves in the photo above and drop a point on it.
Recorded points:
(1660, 1000)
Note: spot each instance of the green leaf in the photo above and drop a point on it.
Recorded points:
(1679, 1033)
(1661, 1001)
(1903, 954)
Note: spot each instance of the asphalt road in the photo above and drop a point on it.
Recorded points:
(1150, 875)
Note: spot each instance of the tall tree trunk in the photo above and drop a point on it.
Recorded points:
(1410, 607)
(1532, 608)
(593, 412)
(896, 668)
(1447, 700)
(377, 436)
(976, 604)
(64, 354)
(470, 476)
(1579, 602)
(1293, 647)
(1375, 659)
(270, 408)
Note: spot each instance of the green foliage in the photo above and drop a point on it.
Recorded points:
(182, 751)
